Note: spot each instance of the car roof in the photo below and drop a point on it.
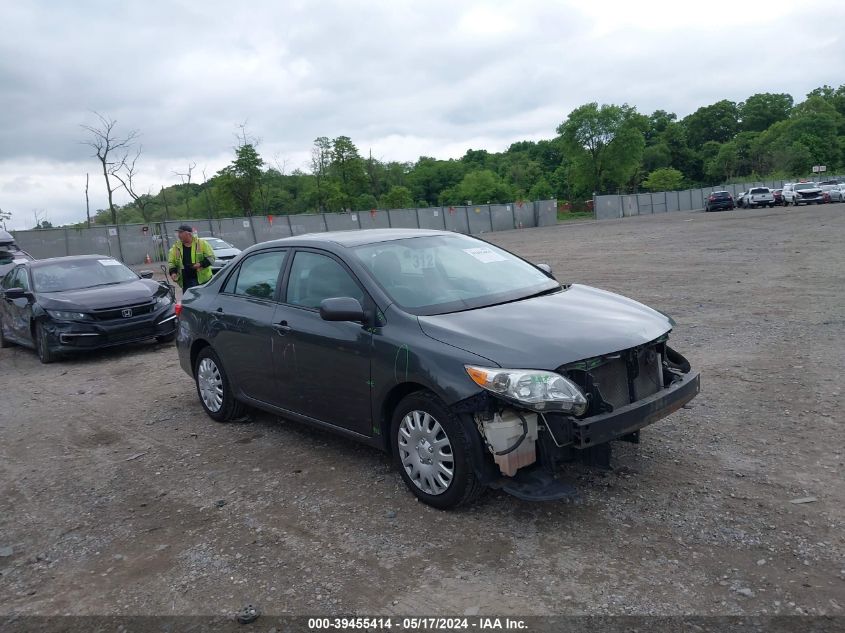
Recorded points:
(72, 258)
(354, 237)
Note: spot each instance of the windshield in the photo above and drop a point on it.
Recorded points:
(80, 273)
(445, 273)
(217, 243)
(805, 185)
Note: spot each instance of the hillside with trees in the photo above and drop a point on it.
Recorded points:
(598, 148)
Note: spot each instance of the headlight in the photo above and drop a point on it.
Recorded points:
(64, 315)
(534, 388)
(163, 301)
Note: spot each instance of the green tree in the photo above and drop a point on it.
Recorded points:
(429, 177)
(656, 156)
(366, 202)
(717, 122)
(541, 190)
(397, 198)
(347, 168)
(606, 145)
(321, 160)
(241, 179)
(724, 164)
(664, 179)
(760, 111)
(481, 187)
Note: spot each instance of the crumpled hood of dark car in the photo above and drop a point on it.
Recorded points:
(100, 296)
(549, 331)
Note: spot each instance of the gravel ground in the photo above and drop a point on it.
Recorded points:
(119, 496)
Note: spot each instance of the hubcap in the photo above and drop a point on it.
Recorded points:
(210, 383)
(426, 453)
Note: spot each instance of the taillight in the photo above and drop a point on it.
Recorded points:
(712, 198)
(177, 309)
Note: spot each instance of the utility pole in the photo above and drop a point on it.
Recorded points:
(87, 204)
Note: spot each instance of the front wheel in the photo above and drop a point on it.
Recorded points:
(42, 345)
(213, 388)
(433, 452)
(4, 342)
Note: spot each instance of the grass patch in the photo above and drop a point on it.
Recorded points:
(567, 216)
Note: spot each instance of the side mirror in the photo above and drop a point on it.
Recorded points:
(146, 274)
(546, 269)
(341, 309)
(15, 293)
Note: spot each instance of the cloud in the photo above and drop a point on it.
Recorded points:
(401, 78)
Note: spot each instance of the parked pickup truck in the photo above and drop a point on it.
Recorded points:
(758, 197)
(802, 193)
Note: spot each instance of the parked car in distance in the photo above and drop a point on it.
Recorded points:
(802, 193)
(83, 302)
(778, 196)
(826, 189)
(837, 194)
(758, 197)
(469, 365)
(719, 200)
(10, 254)
(223, 252)
(740, 198)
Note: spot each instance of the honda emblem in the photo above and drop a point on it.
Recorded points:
(127, 312)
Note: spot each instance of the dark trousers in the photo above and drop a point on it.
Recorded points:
(189, 283)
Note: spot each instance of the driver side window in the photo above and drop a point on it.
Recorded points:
(315, 277)
(18, 279)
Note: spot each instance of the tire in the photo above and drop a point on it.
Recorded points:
(42, 345)
(166, 338)
(3, 341)
(422, 423)
(213, 388)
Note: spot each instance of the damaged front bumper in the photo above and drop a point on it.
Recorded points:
(71, 336)
(627, 391)
(598, 429)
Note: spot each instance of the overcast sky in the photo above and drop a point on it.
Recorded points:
(401, 78)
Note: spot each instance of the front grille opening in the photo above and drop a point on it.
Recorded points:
(617, 380)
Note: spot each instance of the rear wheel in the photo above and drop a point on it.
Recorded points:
(42, 345)
(213, 388)
(432, 452)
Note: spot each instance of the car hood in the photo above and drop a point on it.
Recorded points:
(227, 252)
(552, 330)
(813, 190)
(83, 299)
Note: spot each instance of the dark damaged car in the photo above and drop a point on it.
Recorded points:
(472, 367)
(72, 304)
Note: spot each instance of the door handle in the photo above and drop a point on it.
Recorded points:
(220, 310)
(282, 327)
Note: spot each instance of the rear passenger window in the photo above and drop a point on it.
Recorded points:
(257, 276)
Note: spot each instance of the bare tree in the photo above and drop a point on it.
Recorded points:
(125, 175)
(186, 176)
(41, 221)
(87, 203)
(111, 150)
(211, 212)
(5, 215)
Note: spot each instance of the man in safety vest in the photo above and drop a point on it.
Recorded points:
(190, 259)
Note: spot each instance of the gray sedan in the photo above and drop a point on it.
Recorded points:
(472, 367)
